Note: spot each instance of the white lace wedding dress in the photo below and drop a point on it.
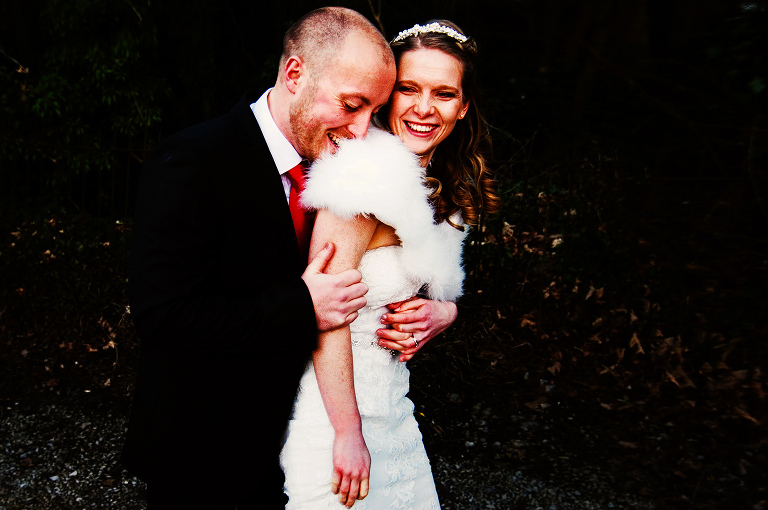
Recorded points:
(362, 178)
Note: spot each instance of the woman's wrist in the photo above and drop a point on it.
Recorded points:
(350, 424)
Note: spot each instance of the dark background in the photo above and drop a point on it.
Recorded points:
(672, 87)
(625, 278)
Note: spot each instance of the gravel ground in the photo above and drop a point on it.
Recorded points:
(62, 453)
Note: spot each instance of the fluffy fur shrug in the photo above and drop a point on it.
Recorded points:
(380, 176)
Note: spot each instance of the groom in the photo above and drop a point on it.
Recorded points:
(224, 304)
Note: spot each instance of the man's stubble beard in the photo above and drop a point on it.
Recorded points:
(307, 132)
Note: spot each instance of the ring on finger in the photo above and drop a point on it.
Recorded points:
(415, 342)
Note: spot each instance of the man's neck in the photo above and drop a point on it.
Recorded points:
(279, 109)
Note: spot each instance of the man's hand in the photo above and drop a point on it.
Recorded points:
(351, 467)
(414, 323)
(337, 297)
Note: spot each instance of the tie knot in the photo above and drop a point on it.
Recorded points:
(296, 176)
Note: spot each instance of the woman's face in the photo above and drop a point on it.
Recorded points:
(427, 100)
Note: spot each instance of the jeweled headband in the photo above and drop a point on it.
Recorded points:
(430, 28)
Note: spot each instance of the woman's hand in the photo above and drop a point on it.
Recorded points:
(415, 322)
(351, 467)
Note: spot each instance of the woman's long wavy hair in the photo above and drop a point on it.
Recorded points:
(458, 171)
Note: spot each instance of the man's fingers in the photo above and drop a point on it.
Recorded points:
(350, 291)
(335, 481)
(350, 318)
(351, 279)
(358, 302)
(336, 297)
(321, 258)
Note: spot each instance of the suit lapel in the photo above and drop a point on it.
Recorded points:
(255, 193)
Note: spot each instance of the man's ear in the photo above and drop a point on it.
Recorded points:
(293, 72)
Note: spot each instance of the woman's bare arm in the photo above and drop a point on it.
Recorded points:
(333, 360)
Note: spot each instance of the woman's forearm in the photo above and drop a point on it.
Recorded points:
(351, 458)
(333, 360)
(335, 378)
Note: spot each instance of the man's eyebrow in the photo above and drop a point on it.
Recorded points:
(364, 99)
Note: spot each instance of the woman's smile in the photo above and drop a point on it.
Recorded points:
(420, 128)
(427, 100)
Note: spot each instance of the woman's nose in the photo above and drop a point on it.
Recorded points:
(423, 105)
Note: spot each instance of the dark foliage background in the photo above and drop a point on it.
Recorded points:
(625, 278)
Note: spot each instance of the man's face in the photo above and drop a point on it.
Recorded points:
(341, 101)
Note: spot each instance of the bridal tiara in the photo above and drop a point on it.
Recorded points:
(434, 27)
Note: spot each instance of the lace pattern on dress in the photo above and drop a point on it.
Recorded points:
(401, 476)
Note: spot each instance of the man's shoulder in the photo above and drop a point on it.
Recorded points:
(213, 135)
(204, 135)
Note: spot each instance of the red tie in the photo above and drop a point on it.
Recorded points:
(302, 219)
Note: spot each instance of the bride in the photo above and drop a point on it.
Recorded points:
(396, 208)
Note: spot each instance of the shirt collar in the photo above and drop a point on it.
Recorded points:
(283, 153)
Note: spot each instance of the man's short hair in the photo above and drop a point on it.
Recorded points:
(317, 36)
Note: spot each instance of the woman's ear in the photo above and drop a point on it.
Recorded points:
(464, 110)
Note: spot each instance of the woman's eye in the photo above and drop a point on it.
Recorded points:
(405, 89)
(446, 95)
(351, 107)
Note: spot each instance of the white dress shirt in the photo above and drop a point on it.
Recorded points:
(283, 153)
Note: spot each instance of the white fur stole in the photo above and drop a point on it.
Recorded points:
(379, 175)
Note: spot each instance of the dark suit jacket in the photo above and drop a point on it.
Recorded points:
(225, 322)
